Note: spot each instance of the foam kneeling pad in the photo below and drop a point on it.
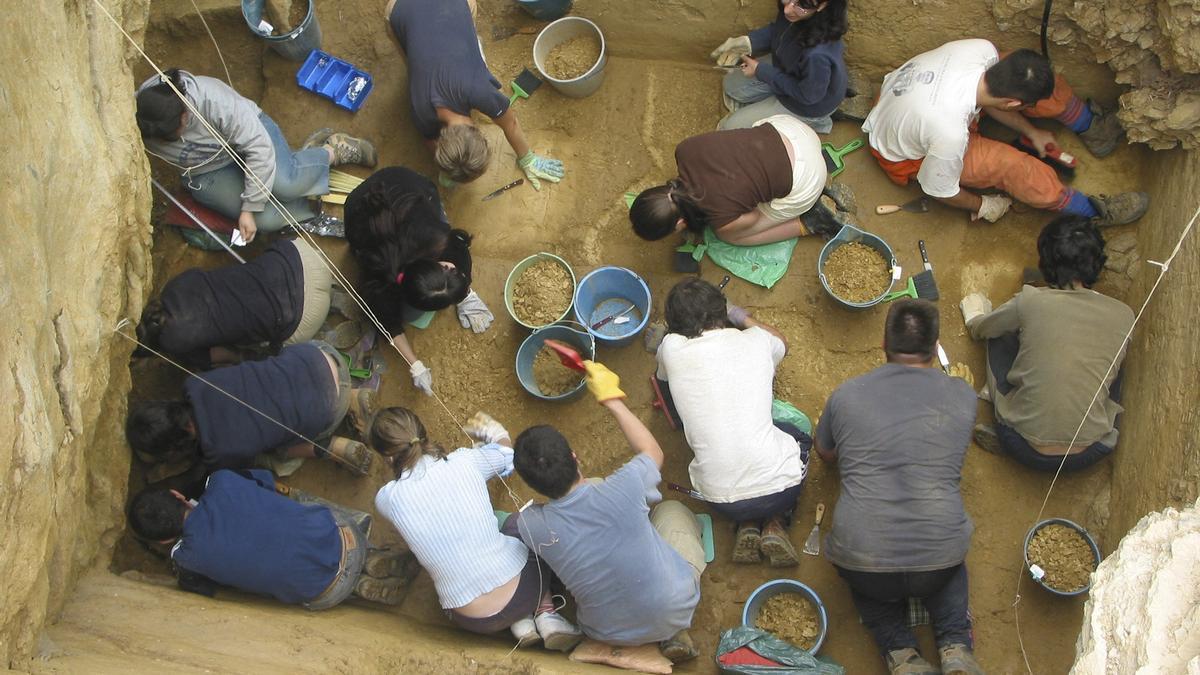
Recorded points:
(644, 658)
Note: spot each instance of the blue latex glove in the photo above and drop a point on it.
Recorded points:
(536, 166)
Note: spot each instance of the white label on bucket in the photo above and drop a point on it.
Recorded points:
(896, 271)
(1036, 572)
(265, 28)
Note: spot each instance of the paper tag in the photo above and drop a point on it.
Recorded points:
(236, 239)
(896, 272)
(264, 27)
(620, 320)
(1036, 572)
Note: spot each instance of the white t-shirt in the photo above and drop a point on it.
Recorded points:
(925, 110)
(808, 169)
(721, 384)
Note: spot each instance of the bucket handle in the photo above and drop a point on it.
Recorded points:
(584, 331)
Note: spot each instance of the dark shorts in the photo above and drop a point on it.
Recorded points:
(523, 603)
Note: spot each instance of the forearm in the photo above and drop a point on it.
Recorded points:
(636, 433)
(402, 344)
(513, 133)
(827, 455)
(1003, 320)
(965, 199)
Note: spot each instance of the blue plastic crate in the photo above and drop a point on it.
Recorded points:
(335, 79)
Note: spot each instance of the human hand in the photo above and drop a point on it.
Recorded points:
(729, 51)
(993, 208)
(246, 226)
(1042, 139)
(974, 305)
(536, 166)
(422, 377)
(749, 66)
(736, 315)
(484, 428)
(602, 382)
(473, 314)
(963, 372)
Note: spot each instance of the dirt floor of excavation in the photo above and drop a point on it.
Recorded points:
(622, 138)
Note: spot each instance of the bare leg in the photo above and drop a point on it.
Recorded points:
(766, 233)
(301, 450)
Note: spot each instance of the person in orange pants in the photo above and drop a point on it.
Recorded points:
(924, 127)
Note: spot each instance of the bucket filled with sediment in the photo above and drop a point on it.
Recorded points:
(570, 54)
(614, 304)
(1061, 556)
(857, 268)
(789, 610)
(540, 370)
(539, 290)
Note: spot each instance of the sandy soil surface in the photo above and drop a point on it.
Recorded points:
(622, 138)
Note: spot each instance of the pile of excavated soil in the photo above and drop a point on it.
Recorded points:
(857, 273)
(552, 377)
(571, 58)
(1065, 556)
(792, 618)
(542, 293)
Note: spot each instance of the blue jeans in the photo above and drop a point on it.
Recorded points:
(882, 602)
(758, 102)
(300, 174)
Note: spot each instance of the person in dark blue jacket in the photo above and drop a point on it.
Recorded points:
(802, 71)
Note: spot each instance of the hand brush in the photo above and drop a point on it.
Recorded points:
(924, 282)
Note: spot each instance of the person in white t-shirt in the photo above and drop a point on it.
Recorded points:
(748, 467)
(924, 127)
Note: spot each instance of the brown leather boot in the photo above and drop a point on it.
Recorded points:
(777, 545)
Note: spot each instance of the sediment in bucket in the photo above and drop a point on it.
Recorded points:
(849, 234)
(772, 588)
(1074, 526)
(294, 45)
(516, 274)
(607, 291)
(574, 336)
(555, 34)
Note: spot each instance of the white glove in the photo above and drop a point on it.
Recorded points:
(485, 429)
(974, 306)
(473, 314)
(993, 208)
(731, 51)
(422, 377)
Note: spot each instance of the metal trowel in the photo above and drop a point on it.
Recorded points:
(812, 545)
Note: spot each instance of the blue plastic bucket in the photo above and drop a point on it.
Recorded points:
(849, 234)
(584, 343)
(608, 291)
(546, 10)
(777, 586)
(1040, 578)
(295, 45)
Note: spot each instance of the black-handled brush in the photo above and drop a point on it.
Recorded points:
(924, 282)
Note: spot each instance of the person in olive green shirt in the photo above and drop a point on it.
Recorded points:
(1048, 351)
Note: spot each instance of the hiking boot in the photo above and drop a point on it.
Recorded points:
(343, 303)
(364, 403)
(345, 335)
(777, 546)
(390, 591)
(987, 439)
(959, 660)
(525, 631)
(351, 454)
(908, 662)
(746, 543)
(824, 220)
(654, 335)
(679, 647)
(1119, 209)
(383, 563)
(1105, 132)
(316, 138)
(350, 150)
(843, 197)
(557, 633)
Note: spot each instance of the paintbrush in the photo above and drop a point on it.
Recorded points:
(923, 282)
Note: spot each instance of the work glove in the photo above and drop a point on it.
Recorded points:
(993, 208)
(485, 429)
(736, 315)
(602, 382)
(974, 306)
(962, 371)
(536, 166)
(731, 51)
(473, 314)
(422, 377)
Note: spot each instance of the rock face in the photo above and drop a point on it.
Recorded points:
(73, 257)
(1143, 613)
(1152, 45)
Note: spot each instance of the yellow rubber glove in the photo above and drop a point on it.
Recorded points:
(602, 382)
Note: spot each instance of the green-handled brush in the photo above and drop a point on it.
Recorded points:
(524, 86)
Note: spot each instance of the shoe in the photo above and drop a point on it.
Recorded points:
(345, 335)
(653, 336)
(1119, 209)
(843, 197)
(383, 563)
(824, 220)
(908, 662)
(987, 439)
(746, 543)
(364, 403)
(350, 150)
(316, 138)
(730, 104)
(776, 545)
(1105, 132)
(679, 647)
(959, 660)
(351, 454)
(343, 303)
(525, 631)
(557, 633)
(389, 591)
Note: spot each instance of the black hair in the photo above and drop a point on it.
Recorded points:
(429, 286)
(544, 460)
(655, 211)
(911, 329)
(828, 25)
(156, 514)
(159, 110)
(154, 319)
(1024, 75)
(694, 306)
(160, 428)
(1070, 249)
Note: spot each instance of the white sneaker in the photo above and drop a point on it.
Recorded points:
(557, 633)
(526, 633)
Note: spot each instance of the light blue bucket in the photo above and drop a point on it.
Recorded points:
(608, 291)
(584, 343)
(772, 588)
(295, 45)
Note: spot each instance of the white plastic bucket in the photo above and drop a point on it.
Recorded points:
(555, 34)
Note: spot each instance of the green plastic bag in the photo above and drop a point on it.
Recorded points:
(782, 411)
(791, 658)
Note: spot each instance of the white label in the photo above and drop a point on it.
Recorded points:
(896, 271)
(1036, 572)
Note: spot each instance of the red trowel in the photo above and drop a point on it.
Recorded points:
(569, 357)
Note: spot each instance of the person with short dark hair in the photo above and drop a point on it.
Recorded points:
(716, 367)
(1048, 352)
(282, 405)
(635, 580)
(243, 533)
(898, 436)
(924, 127)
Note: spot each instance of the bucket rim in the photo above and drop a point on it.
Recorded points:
(786, 585)
(604, 339)
(526, 262)
(590, 71)
(1086, 537)
(290, 35)
(829, 247)
(591, 342)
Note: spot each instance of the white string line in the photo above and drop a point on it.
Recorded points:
(228, 78)
(1162, 272)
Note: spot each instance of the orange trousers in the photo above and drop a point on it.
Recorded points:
(991, 164)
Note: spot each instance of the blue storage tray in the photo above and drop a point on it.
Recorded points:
(335, 79)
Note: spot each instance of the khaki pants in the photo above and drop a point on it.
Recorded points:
(678, 527)
(317, 281)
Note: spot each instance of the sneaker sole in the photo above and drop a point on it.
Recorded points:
(562, 642)
(746, 549)
(780, 551)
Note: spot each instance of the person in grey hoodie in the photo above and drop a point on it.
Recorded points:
(172, 132)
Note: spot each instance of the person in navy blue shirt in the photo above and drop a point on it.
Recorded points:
(802, 72)
(243, 534)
